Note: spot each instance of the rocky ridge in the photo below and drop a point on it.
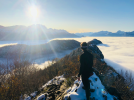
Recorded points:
(106, 77)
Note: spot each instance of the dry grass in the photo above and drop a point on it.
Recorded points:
(19, 78)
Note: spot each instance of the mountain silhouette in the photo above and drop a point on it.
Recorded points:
(33, 32)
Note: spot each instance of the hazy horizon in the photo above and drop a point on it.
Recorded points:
(67, 31)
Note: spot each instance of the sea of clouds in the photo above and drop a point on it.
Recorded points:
(118, 51)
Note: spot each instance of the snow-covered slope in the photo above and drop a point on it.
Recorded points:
(78, 93)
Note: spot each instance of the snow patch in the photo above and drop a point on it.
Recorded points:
(28, 98)
(80, 94)
(42, 96)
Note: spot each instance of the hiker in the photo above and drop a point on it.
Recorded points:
(86, 63)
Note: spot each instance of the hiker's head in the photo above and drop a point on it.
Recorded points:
(83, 46)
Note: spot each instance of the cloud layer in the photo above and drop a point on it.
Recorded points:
(118, 51)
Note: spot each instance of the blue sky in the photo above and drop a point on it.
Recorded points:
(71, 15)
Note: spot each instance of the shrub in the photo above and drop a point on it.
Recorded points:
(22, 78)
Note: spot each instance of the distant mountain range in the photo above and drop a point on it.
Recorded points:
(40, 32)
(33, 32)
(107, 33)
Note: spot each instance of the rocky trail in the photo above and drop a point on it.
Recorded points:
(56, 89)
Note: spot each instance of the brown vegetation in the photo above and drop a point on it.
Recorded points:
(19, 78)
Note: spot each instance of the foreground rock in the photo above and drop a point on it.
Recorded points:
(52, 90)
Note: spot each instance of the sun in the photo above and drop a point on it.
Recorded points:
(34, 12)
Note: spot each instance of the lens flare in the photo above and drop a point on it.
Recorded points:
(34, 12)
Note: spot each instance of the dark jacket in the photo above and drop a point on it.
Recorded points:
(86, 63)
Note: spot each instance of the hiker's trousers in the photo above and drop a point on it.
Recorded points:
(86, 84)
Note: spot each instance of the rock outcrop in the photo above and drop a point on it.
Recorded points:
(52, 90)
(94, 42)
(96, 50)
(92, 47)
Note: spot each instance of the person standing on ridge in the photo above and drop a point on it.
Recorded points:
(86, 63)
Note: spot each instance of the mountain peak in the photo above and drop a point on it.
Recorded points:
(1, 26)
(120, 32)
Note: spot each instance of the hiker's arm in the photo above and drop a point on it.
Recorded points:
(81, 66)
(92, 60)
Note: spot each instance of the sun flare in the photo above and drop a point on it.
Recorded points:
(34, 12)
